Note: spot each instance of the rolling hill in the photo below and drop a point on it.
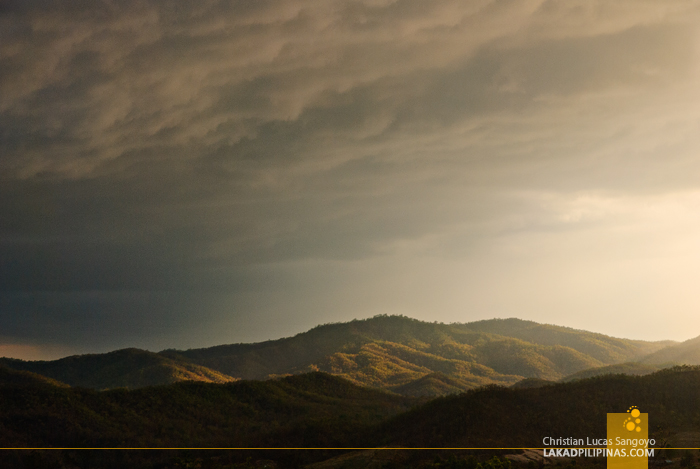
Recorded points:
(10, 377)
(127, 368)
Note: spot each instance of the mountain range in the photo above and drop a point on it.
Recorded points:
(394, 353)
(385, 382)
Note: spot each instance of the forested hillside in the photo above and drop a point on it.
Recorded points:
(317, 410)
(310, 410)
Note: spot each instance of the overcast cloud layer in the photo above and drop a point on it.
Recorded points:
(185, 174)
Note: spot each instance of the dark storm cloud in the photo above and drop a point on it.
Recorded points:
(214, 146)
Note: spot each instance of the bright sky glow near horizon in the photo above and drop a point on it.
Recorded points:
(188, 174)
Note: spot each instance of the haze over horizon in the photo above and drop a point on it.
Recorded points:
(193, 174)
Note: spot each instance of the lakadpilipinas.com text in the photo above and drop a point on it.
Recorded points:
(593, 448)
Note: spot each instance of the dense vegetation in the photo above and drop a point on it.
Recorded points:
(314, 409)
(497, 416)
(319, 410)
(311, 410)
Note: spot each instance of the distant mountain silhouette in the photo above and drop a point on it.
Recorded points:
(685, 353)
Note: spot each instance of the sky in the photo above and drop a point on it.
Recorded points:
(188, 174)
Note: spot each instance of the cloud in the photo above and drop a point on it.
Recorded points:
(98, 84)
(226, 146)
